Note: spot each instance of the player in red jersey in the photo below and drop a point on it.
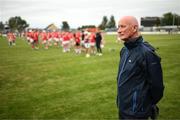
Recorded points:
(29, 36)
(44, 39)
(65, 42)
(49, 37)
(60, 38)
(87, 43)
(56, 38)
(77, 38)
(92, 43)
(11, 38)
(71, 40)
(35, 37)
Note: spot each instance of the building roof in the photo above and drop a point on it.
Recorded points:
(51, 27)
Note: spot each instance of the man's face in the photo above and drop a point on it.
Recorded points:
(125, 30)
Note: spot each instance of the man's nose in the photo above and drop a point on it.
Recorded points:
(119, 30)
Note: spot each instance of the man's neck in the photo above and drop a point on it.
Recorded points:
(133, 37)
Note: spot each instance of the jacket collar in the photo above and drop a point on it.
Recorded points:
(131, 43)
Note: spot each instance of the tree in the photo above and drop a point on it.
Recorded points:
(111, 23)
(176, 19)
(103, 24)
(167, 19)
(170, 19)
(16, 23)
(65, 26)
(1, 26)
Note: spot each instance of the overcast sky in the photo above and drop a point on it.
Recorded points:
(40, 13)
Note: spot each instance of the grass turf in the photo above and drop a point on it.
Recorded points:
(49, 84)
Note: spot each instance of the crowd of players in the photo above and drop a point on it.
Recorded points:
(80, 41)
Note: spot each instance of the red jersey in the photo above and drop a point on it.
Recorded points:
(35, 36)
(44, 36)
(49, 36)
(70, 35)
(66, 37)
(78, 37)
(11, 36)
(55, 35)
(92, 38)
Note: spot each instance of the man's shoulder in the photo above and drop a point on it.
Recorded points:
(148, 46)
(149, 50)
(123, 49)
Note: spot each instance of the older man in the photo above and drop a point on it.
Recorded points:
(139, 80)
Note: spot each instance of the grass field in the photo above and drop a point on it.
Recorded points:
(49, 84)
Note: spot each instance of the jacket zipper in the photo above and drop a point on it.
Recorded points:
(126, 55)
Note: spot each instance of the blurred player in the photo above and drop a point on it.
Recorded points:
(44, 39)
(77, 37)
(11, 38)
(99, 43)
(92, 43)
(35, 42)
(65, 42)
(49, 37)
(87, 44)
(55, 36)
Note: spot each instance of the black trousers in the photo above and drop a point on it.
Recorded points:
(128, 117)
(98, 46)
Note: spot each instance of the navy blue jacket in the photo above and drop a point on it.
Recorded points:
(139, 79)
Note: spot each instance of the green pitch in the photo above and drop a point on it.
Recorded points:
(49, 84)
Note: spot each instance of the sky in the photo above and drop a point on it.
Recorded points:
(41, 13)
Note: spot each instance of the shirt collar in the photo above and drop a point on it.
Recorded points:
(131, 43)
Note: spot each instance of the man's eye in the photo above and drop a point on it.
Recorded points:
(120, 26)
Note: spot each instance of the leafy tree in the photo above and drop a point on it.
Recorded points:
(103, 24)
(16, 23)
(111, 23)
(167, 19)
(176, 19)
(170, 19)
(65, 26)
(1, 26)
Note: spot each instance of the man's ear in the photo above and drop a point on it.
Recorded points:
(135, 29)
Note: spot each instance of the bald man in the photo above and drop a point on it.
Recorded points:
(139, 80)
